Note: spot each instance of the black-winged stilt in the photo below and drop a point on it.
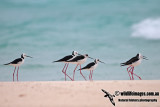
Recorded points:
(78, 60)
(17, 62)
(65, 59)
(91, 66)
(135, 61)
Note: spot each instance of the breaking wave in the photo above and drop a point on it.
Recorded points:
(148, 28)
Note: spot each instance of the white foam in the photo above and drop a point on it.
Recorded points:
(148, 28)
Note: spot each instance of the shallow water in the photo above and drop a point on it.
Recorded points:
(113, 31)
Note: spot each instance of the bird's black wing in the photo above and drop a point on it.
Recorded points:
(88, 65)
(77, 58)
(132, 60)
(66, 58)
(15, 61)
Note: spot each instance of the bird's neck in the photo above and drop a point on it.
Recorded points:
(140, 58)
(95, 62)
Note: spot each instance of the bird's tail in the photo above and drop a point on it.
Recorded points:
(122, 64)
(6, 64)
(80, 69)
(55, 61)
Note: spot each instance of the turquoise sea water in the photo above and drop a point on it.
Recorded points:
(111, 30)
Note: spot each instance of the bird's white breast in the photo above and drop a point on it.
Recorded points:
(136, 63)
(82, 61)
(93, 67)
(79, 62)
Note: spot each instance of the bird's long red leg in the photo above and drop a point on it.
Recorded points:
(17, 73)
(74, 72)
(66, 71)
(129, 67)
(136, 75)
(63, 68)
(14, 72)
(129, 72)
(89, 75)
(67, 74)
(92, 75)
(81, 73)
(132, 72)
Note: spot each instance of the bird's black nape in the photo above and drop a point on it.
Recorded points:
(137, 55)
(72, 52)
(22, 56)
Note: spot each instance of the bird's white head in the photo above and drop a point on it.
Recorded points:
(74, 53)
(140, 56)
(86, 55)
(96, 60)
(24, 55)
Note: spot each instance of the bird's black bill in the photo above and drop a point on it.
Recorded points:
(29, 56)
(102, 62)
(90, 57)
(144, 57)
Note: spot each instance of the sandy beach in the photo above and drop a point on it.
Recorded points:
(75, 94)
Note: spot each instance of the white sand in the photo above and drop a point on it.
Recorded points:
(75, 94)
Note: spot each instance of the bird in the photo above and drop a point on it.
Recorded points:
(109, 96)
(17, 62)
(64, 60)
(134, 61)
(78, 60)
(91, 66)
